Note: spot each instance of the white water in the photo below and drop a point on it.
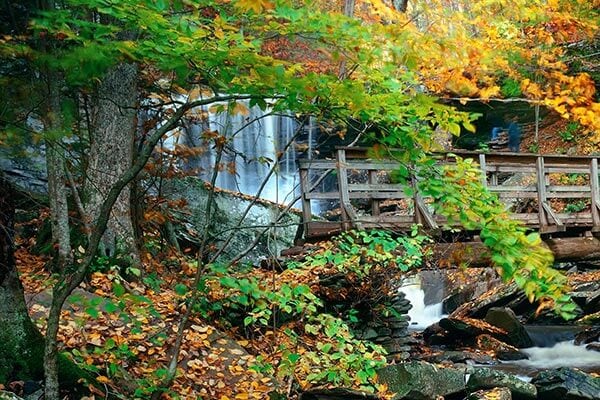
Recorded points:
(421, 315)
(255, 138)
(562, 354)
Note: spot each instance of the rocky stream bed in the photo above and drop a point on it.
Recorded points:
(474, 337)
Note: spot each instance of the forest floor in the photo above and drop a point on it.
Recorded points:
(122, 332)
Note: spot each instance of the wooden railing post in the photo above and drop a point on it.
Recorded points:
(347, 213)
(541, 191)
(374, 202)
(595, 195)
(306, 206)
(545, 212)
(483, 169)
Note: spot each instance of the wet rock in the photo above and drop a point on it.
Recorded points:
(588, 336)
(337, 394)
(466, 328)
(460, 357)
(456, 299)
(491, 394)
(486, 378)
(593, 346)
(504, 295)
(501, 350)
(418, 380)
(505, 318)
(467, 286)
(587, 296)
(567, 384)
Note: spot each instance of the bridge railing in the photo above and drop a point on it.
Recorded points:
(365, 197)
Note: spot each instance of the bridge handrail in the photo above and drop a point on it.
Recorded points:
(495, 165)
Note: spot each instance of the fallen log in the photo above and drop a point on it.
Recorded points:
(476, 254)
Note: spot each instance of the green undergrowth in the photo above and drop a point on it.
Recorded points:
(316, 345)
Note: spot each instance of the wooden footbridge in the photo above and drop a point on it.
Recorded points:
(536, 188)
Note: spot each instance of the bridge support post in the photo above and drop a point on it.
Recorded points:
(595, 195)
(545, 212)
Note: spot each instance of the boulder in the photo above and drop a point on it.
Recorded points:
(501, 350)
(486, 378)
(593, 346)
(505, 319)
(567, 384)
(467, 328)
(4, 395)
(229, 208)
(503, 295)
(491, 394)
(460, 357)
(466, 285)
(588, 336)
(418, 380)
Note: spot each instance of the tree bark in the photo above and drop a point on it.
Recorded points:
(21, 345)
(57, 189)
(111, 154)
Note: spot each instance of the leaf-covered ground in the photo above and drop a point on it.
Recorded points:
(122, 332)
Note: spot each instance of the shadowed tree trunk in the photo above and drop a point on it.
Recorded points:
(111, 154)
(21, 345)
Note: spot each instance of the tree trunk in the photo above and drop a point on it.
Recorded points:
(57, 189)
(111, 154)
(21, 345)
(57, 193)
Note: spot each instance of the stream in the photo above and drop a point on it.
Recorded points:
(554, 344)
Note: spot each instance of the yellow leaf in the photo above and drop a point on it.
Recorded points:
(240, 108)
(103, 379)
(255, 5)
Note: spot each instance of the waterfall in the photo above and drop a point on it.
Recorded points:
(421, 315)
(255, 138)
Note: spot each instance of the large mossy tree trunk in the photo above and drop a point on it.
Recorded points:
(111, 154)
(21, 344)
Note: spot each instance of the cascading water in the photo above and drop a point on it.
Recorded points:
(555, 348)
(255, 139)
(421, 315)
(562, 354)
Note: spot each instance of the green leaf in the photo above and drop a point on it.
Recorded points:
(92, 312)
(181, 289)
(454, 128)
(118, 289)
